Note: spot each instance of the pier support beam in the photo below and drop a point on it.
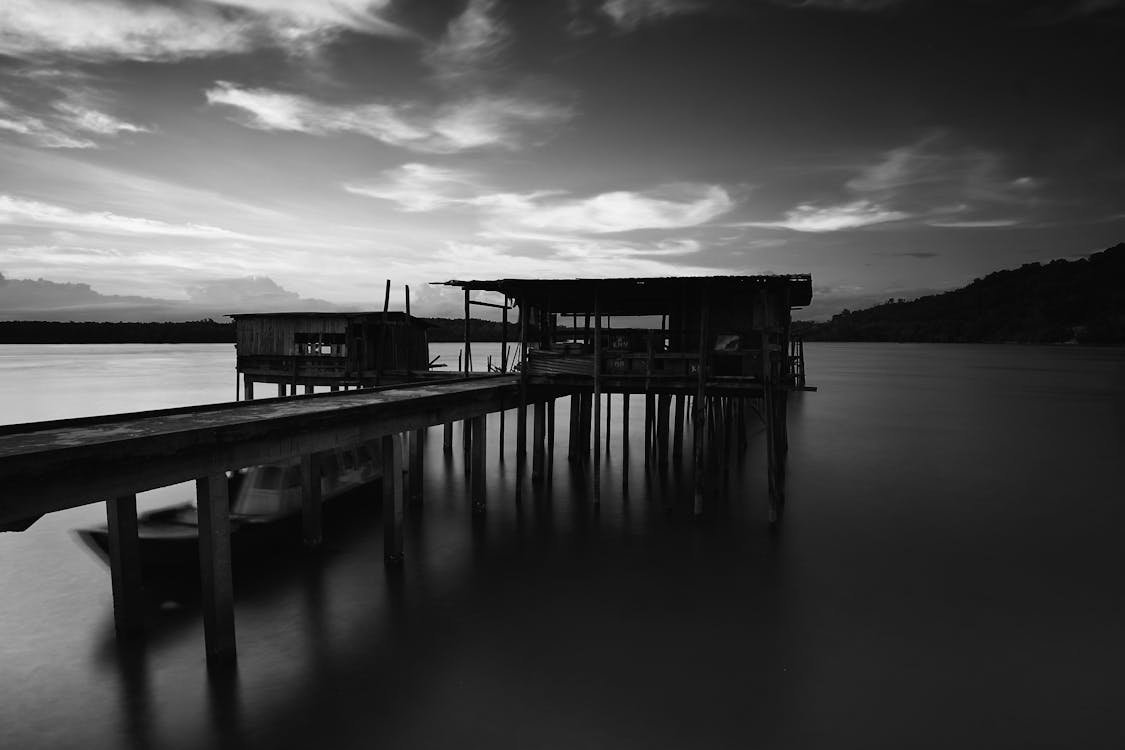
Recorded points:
(416, 438)
(574, 442)
(248, 388)
(312, 508)
(477, 480)
(663, 409)
(213, 501)
(447, 438)
(538, 462)
(678, 431)
(125, 565)
(392, 499)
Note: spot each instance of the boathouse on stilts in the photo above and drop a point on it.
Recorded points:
(704, 352)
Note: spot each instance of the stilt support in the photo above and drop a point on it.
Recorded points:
(392, 499)
(311, 500)
(478, 483)
(213, 501)
(125, 565)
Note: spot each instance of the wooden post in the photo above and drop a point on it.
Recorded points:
(392, 500)
(625, 398)
(664, 406)
(537, 435)
(281, 390)
(447, 438)
(311, 500)
(125, 565)
(248, 387)
(468, 343)
(597, 396)
(478, 482)
(574, 444)
(769, 415)
(416, 438)
(678, 431)
(608, 419)
(521, 412)
(650, 421)
(334, 388)
(550, 435)
(213, 505)
(699, 407)
(503, 369)
(408, 343)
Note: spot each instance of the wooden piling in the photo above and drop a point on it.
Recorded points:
(213, 506)
(281, 390)
(664, 406)
(699, 407)
(312, 523)
(447, 438)
(650, 422)
(550, 435)
(597, 399)
(678, 431)
(416, 439)
(248, 387)
(574, 444)
(625, 397)
(539, 419)
(125, 565)
(392, 500)
(478, 483)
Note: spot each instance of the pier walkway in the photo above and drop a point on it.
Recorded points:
(51, 466)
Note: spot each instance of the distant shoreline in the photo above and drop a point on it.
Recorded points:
(442, 330)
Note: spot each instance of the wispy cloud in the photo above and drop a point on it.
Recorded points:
(421, 187)
(481, 121)
(35, 213)
(861, 6)
(932, 180)
(971, 224)
(118, 29)
(473, 41)
(37, 131)
(671, 207)
(629, 14)
(67, 123)
(809, 218)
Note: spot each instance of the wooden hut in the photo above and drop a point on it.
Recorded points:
(722, 342)
(328, 349)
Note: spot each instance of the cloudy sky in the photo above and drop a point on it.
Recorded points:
(270, 154)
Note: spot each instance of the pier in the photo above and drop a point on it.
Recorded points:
(719, 355)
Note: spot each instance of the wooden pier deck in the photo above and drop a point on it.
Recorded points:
(51, 466)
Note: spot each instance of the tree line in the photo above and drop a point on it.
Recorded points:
(1080, 301)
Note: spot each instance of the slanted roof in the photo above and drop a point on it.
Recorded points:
(375, 318)
(643, 296)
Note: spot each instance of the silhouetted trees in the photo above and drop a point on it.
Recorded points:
(1081, 301)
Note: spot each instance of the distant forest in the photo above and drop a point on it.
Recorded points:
(199, 332)
(1080, 301)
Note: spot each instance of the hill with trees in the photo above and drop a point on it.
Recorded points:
(1079, 301)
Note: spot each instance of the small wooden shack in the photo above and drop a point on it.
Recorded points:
(328, 349)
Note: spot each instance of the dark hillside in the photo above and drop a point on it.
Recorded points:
(1080, 301)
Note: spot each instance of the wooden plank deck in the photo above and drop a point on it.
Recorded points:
(50, 466)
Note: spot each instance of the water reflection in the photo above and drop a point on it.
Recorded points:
(950, 549)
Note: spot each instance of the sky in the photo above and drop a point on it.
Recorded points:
(166, 160)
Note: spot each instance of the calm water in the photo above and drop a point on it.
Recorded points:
(950, 574)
